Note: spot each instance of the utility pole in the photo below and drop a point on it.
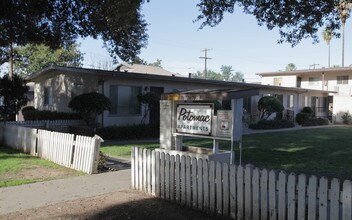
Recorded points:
(313, 65)
(205, 61)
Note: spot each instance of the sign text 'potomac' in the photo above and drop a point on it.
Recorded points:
(194, 119)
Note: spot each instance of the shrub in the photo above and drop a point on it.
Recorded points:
(89, 106)
(346, 118)
(316, 122)
(129, 132)
(268, 105)
(307, 110)
(302, 117)
(272, 124)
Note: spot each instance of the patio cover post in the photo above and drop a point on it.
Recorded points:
(236, 135)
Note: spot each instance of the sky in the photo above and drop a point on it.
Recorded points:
(237, 41)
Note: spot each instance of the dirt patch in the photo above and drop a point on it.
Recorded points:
(38, 172)
(127, 204)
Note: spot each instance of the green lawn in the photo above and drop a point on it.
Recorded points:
(323, 152)
(17, 168)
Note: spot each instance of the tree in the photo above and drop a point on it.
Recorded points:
(267, 105)
(226, 74)
(157, 63)
(327, 36)
(295, 20)
(90, 106)
(291, 67)
(13, 94)
(56, 23)
(32, 58)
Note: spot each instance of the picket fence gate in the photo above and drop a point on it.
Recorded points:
(54, 125)
(242, 192)
(72, 151)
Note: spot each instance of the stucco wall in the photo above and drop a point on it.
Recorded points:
(61, 85)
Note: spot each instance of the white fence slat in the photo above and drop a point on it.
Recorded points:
(140, 169)
(183, 180)
(172, 177)
(149, 171)
(248, 192)
(194, 186)
(167, 176)
(157, 173)
(282, 196)
(206, 185)
(323, 199)
(334, 199)
(255, 185)
(132, 168)
(240, 192)
(225, 189)
(291, 197)
(264, 194)
(137, 161)
(346, 200)
(312, 198)
(200, 183)
(178, 178)
(218, 181)
(301, 206)
(212, 190)
(233, 197)
(272, 195)
(188, 182)
(162, 175)
(145, 170)
(153, 172)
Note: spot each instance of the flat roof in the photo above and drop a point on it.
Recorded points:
(306, 71)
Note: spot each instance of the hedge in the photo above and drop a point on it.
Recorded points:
(141, 131)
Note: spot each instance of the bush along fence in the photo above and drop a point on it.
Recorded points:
(54, 125)
(242, 192)
(76, 152)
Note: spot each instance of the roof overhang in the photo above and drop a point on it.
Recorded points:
(206, 94)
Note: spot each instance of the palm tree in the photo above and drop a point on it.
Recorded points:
(344, 8)
(327, 35)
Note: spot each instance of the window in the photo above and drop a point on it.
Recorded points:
(290, 101)
(277, 81)
(313, 81)
(76, 90)
(342, 80)
(48, 96)
(124, 100)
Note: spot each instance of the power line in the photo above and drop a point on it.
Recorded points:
(205, 61)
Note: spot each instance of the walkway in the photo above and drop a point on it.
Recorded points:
(35, 195)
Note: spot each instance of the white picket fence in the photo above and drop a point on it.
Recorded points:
(76, 152)
(241, 192)
(54, 125)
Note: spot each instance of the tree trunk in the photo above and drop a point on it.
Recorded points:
(329, 56)
(343, 43)
(11, 61)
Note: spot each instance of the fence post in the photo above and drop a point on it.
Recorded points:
(96, 157)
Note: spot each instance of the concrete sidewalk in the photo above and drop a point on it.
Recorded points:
(35, 195)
